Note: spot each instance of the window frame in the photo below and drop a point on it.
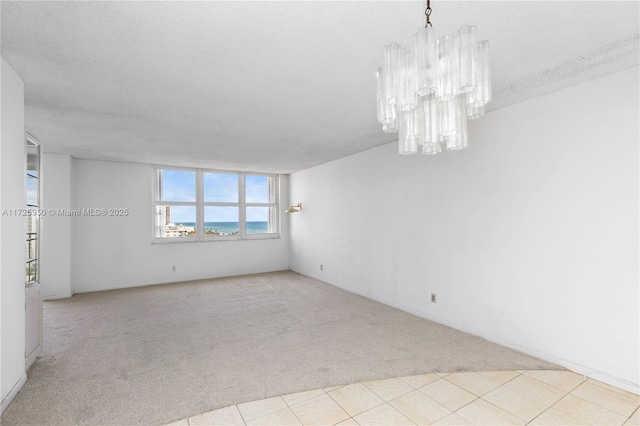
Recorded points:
(200, 205)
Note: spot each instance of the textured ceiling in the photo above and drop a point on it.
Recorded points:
(270, 86)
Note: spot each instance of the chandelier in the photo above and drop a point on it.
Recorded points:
(428, 91)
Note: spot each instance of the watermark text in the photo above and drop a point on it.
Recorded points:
(26, 212)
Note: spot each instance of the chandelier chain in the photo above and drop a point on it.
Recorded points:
(427, 13)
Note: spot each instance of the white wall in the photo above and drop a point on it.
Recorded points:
(529, 237)
(12, 235)
(56, 229)
(116, 252)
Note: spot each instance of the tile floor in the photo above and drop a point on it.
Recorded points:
(480, 398)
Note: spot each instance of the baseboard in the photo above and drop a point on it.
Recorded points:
(32, 357)
(173, 281)
(585, 371)
(569, 365)
(14, 391)
(56, 297)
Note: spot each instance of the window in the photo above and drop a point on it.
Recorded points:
(221, 205)
(261, 207)
(201, 205)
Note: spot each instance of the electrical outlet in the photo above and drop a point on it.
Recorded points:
(321, 267)
(433, 298)
(173, 269)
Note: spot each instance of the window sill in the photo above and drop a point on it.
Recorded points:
(215, 239)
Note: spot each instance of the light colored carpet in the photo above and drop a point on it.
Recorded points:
(151, 355)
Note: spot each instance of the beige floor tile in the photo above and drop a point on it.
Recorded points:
(419, 408)
(507, 397)
(588, 412)
(621, 403)
(500, 377)
(348, 422)
(612, 388)
(535, 389)
(480, 412)
(634, 419)
(420, 380)
(555, 417)
(472, 382)
(321, 410)
(516, 402)
(182, 422)
(382, 415)
(223, 416)
(447, 394)
(563, 380)
(255, 409)
(283, 417)
(388, 389)
(451, 420)
(355, 398)
(295, 398)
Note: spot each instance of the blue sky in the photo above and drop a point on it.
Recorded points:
(180, 185)
(221, 187)
(256, 189)
(183, 214)
(32, 190)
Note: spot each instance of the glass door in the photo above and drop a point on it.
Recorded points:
(33, 286)
(33, 218)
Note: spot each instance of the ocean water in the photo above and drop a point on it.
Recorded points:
(230, 227)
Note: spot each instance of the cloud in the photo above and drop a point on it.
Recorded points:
(256, 189)
(220, 187)
(178, 185)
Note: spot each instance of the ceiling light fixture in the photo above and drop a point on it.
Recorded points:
(427, 91)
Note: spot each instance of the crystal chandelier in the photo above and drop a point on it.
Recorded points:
(428, 91)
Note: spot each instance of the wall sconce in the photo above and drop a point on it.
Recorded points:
(294, 209)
